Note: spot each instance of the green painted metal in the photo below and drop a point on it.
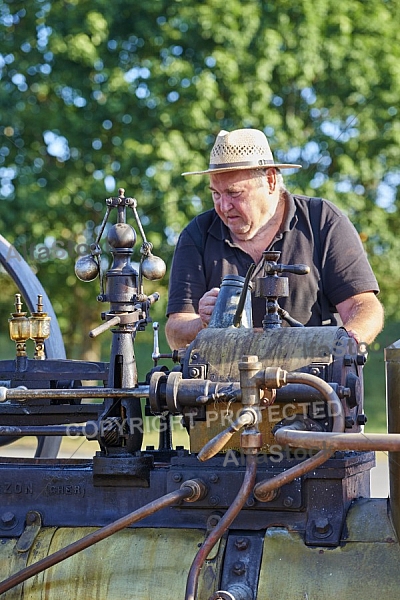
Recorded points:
(149, 564)
(139, 564)
(365, 566)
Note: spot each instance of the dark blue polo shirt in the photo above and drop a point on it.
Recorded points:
(314, 232)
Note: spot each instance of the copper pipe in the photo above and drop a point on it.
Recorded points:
(334, 405)
(331, 441)
(187, 491)
(223, 525)
(263, 491)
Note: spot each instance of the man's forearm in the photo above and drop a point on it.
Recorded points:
(362, 316)
(181, 329)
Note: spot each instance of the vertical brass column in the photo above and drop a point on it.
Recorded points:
(392, 367)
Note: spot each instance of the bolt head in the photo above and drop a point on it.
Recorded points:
(8, 519)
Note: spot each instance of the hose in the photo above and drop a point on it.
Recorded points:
(219, 530)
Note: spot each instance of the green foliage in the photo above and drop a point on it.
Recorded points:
(98, 95)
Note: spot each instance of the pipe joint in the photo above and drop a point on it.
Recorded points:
(197, 488)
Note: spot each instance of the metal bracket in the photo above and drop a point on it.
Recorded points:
(31, 531)
(242, 565)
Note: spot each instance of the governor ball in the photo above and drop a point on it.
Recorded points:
(86, 268)
(153, 268)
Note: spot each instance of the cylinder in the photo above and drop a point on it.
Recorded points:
(392, 371)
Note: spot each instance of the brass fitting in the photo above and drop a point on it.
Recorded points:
(19, 327)
(39, 329)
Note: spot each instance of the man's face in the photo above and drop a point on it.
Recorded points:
(244, 202)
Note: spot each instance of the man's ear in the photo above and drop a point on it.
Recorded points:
(271, 179)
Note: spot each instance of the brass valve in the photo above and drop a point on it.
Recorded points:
(39, 329)
(19, 326)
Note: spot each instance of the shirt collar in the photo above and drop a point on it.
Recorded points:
(290, 218)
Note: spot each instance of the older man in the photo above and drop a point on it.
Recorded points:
(254, 212)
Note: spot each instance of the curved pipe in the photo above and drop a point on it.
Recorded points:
(334, 405)
(188, 490)
(331, 441)
(264, 491)
(225, 522)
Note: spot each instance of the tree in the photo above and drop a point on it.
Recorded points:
(98, 95)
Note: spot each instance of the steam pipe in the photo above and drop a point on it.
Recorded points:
(190, 490)
(276, 377)
(332, 441)
(264, 491)
(223, 525)
(335, 407)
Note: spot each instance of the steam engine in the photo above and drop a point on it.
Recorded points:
(270, 500)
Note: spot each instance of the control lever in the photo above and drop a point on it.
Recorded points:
(104, 327)
(237, 319)
(271, 268)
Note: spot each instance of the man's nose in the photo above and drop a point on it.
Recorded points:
(226, 201)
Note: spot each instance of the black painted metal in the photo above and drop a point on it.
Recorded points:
(242, 563)
(70, 493)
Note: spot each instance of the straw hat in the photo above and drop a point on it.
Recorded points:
(241, 149)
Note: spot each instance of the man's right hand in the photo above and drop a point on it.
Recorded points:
(206, 305)
(182, 328)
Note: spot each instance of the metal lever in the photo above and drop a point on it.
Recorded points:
(104, 327)
(300, 269)
(247, 417)
(237, 319)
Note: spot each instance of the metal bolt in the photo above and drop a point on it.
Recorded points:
(361, 359)
(250, 501)
(214, 500)
(195, 356)
(361, 419)
(242, 543)
(8, 519)
(322, 525)
(30, 518)
(214, 478)
(288, 501)
(194, 372)
(315, 371)
(177, 477)
(213, 521)
(239, 568)
(248, 358)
